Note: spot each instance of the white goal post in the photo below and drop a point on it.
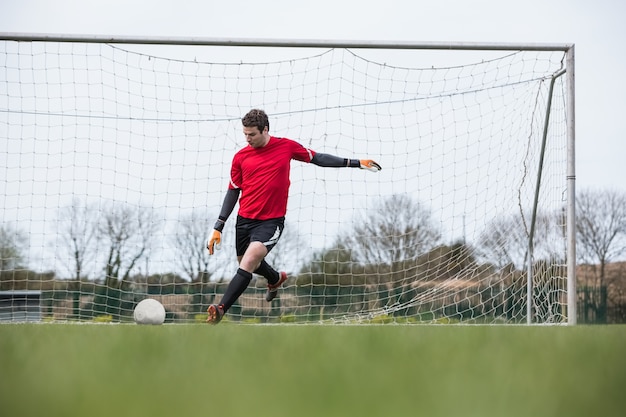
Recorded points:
(115, 156)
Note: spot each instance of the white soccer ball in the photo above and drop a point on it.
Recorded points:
(149, 311)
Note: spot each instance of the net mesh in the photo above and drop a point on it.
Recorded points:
(115, 161)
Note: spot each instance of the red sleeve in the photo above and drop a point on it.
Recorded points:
(235, 173)
(300, 153)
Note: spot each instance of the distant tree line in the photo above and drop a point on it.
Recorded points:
(388, 249)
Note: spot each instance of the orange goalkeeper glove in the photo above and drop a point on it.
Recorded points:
(214, 242)
(370, 165)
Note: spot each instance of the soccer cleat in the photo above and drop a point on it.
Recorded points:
(215, 312)
(272, 289)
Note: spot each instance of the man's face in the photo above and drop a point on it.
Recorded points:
(254, 137)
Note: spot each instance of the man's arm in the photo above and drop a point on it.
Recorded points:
(230, 199)
(331, 161)
(215, 240)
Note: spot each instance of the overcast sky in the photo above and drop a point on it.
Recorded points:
(596, 28)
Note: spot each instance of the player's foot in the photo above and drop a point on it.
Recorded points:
(215, 312)
(272, 289)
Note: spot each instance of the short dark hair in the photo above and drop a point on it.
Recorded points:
(256, 117)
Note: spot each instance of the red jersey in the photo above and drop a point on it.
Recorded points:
(262, 174)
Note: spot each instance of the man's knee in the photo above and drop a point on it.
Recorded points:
(252, 258)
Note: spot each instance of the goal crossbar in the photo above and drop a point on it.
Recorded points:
(300, 43)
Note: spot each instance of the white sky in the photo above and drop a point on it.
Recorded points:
(596, 28)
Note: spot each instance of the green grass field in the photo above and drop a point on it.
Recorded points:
(308, 370)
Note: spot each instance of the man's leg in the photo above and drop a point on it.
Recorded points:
(274, 279)
(249, 262)
(235, 288)
(254, 240)
(270, 274)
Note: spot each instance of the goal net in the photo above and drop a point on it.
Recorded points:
(115, 158)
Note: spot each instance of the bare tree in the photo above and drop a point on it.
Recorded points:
(12, 245)
(189, 242)
(127, 233)
(601, 239)
(79, 232)
(601, 227)
(396, 229)
(505, 239)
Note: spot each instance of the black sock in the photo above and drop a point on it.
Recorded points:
(237, 286)
(270, 274)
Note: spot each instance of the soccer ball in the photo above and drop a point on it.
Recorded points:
(149, 311)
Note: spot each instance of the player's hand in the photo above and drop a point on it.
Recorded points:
(214, 242)
(370, 165)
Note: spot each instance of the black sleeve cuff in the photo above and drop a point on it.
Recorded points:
(219, 225)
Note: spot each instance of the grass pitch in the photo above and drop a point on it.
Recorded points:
(309, 370)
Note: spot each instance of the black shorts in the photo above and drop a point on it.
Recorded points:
(265, 231)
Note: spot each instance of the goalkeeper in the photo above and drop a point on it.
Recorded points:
(259, 179)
